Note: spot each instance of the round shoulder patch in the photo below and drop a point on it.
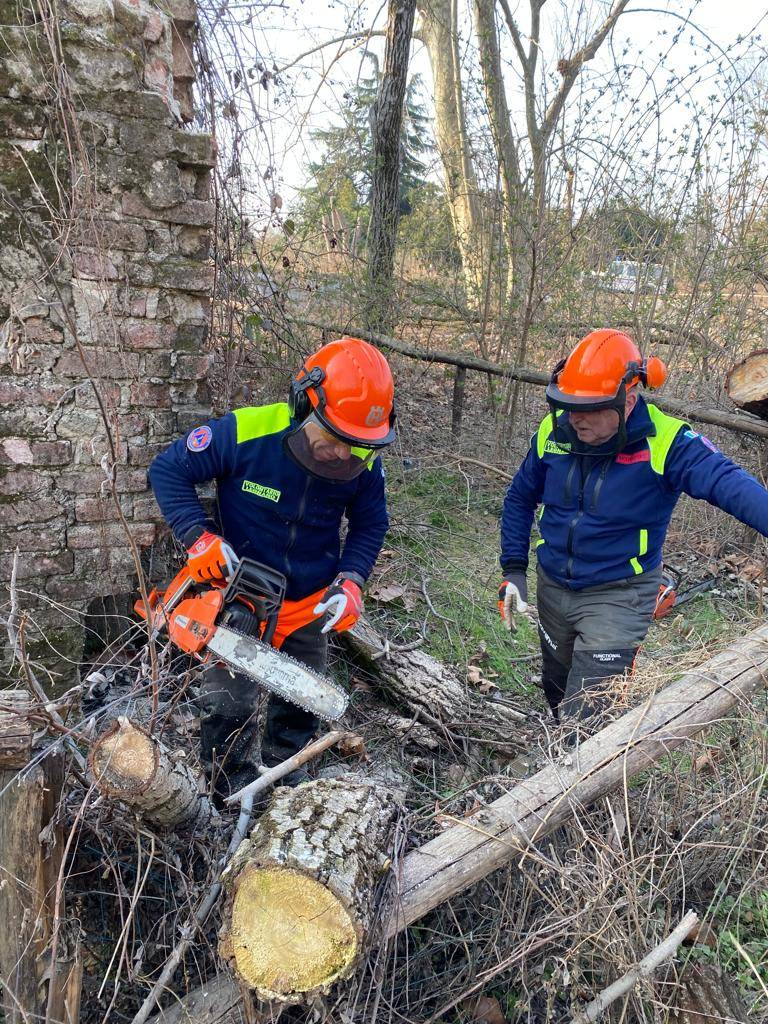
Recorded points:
(199, 439)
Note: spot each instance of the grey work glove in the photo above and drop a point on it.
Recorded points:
(513, 599)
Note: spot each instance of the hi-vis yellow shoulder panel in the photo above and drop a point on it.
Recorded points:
(261, 420)
(667, 429)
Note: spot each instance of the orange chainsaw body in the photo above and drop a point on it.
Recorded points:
(190, 621)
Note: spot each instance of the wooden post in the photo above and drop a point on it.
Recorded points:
(28, 868)
(459, 382)
(493, 836)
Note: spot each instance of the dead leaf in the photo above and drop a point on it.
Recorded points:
(353, 746)
(483, 682)
(361, 685)
(707, 761)
(486, 1010)
(702, 934)
(386, 592)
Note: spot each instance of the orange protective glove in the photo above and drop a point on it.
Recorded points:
(211, 558)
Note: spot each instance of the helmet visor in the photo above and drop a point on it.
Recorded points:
(324, 454)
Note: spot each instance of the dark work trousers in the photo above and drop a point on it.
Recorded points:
(590, 635)
(228, 703)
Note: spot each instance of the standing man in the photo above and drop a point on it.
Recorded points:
(286, 475)
(608, 469)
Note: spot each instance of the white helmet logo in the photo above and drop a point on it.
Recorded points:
(375, 416)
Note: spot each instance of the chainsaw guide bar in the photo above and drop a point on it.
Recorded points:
(279, 673)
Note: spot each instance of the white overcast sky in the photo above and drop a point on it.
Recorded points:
(317, 83)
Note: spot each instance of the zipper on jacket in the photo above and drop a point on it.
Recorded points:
(580, 512)
(295, 526)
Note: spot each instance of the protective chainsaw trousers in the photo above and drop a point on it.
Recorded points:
(590, 636)
(228, 703)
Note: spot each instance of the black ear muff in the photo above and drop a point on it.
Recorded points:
(299, 404)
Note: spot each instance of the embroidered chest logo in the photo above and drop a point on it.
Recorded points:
(270, 493)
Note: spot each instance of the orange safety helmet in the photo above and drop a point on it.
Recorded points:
(597, 375)
(604, 364)
(348, 386)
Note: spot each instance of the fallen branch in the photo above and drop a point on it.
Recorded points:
(273, 775)
(647, 965)
(507, 827)
(730, 421)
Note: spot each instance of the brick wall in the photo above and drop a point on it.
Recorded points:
(105, 217)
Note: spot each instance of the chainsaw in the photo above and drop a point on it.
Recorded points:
(235, 623)
(670, 596)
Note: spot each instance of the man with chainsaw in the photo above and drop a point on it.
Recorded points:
(286, 475)
(608, 468)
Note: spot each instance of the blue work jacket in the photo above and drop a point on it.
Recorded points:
(268, 508)
(605, 516)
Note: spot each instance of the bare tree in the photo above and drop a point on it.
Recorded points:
(439, 33)
(386, 123)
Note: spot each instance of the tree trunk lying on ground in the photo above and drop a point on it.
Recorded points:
(130, 765)
(220, 1001)
(747, 384)
(434, 695)
(491, 837)
(301, 891)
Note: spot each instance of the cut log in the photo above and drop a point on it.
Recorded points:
(491, 837)
(705, 993)
(301, 890)
(28, 873)
(220, 1001)
(131, 765)
(747, 384)
(15, 729)
(436, 696)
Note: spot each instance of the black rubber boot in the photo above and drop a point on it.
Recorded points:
(228, 730)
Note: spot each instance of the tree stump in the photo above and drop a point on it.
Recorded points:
(131, 765)
(434, 695)
(301, 890)
(747, 384)
(706, 994)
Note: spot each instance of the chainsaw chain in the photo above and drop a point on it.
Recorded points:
(279, 690)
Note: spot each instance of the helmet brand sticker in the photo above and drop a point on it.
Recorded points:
(199, 439)
(375, 416)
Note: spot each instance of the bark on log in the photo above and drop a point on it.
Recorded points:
(499, 832)
(705, 993)
(301, 890)
(434, 695)
(15, 729)
(28, 873)
(220, 1001)
(747, 384)
(686, 411)
(131, 765)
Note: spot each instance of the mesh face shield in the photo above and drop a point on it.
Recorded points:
(327, 455)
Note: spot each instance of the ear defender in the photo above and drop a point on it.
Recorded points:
(655, 372)
(299, 404)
